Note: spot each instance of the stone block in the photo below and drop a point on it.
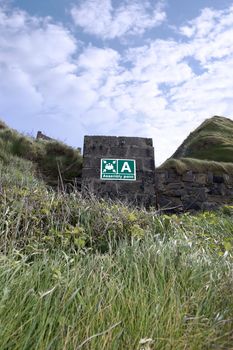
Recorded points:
(192, 204)
(172, 176)
(175, 189)
(188, 176)
(161, 177)
(174, 193)
(228, 179)
(175, 186)
(218, 179)
(201, 178)
(208, 206)
(218, 189)
(210, 177)
(197, 195)
(165, 202)
(218, 199)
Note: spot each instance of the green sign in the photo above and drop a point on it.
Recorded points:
(118, 169)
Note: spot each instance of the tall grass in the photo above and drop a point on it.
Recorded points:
(176, 293)
(52, 159)
(82, 273)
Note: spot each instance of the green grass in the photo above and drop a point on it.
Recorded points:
(79, 271)
(197, 165)
(53, 160)
(172, 289)
(82, 273)
(212, 140)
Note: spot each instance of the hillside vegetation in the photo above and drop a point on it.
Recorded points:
(197, 165)
(212, 141)
(53, 161)
(82, 273)
(208, 148)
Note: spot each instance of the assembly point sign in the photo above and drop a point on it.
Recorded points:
(118, 169)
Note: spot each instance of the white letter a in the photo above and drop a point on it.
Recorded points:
(126, 167)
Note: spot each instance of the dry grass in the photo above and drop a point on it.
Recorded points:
(185, 164)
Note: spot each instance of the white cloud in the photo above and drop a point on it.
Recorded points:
(43, 74)
(131, 17)
(163, 89)
(184, 93)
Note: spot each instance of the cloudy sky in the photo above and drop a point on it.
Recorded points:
(115, 67)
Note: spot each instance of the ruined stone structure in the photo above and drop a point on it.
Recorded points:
(139, 191)
(42, 136)
(192, 190)
(164, 189)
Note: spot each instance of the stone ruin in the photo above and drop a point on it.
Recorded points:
(193, 190)
(123, 168)
(41, 136)
(120, 168)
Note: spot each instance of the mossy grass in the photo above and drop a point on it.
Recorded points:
(197, 165)
(212, 140)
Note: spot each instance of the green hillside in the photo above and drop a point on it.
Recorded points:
(212, 140)
(53, 161)
(81, 273)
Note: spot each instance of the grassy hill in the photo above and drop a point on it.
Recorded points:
(212, 140)
(197, 165)
(53, 161)
(79, 273)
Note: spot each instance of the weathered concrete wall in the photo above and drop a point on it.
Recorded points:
(193, 191)
(140, 192)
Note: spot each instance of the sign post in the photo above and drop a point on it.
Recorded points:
(118, 169)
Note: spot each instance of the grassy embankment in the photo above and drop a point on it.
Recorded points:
(212, 140)
(207, 148)
(84, 274)
(53, 160)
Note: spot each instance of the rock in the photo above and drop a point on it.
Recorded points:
(218, 179)
(188, 176)
(207, 206)
(201, 178)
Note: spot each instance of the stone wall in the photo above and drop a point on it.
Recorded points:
(42, 136)
(164, 189)
(192, 190)
(139, 192)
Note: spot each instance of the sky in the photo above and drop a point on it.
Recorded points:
(146, 68)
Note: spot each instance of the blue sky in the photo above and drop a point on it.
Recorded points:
(115, 67)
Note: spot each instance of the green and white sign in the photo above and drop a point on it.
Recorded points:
(118, 169)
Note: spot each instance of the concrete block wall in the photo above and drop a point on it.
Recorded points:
(140, 192)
